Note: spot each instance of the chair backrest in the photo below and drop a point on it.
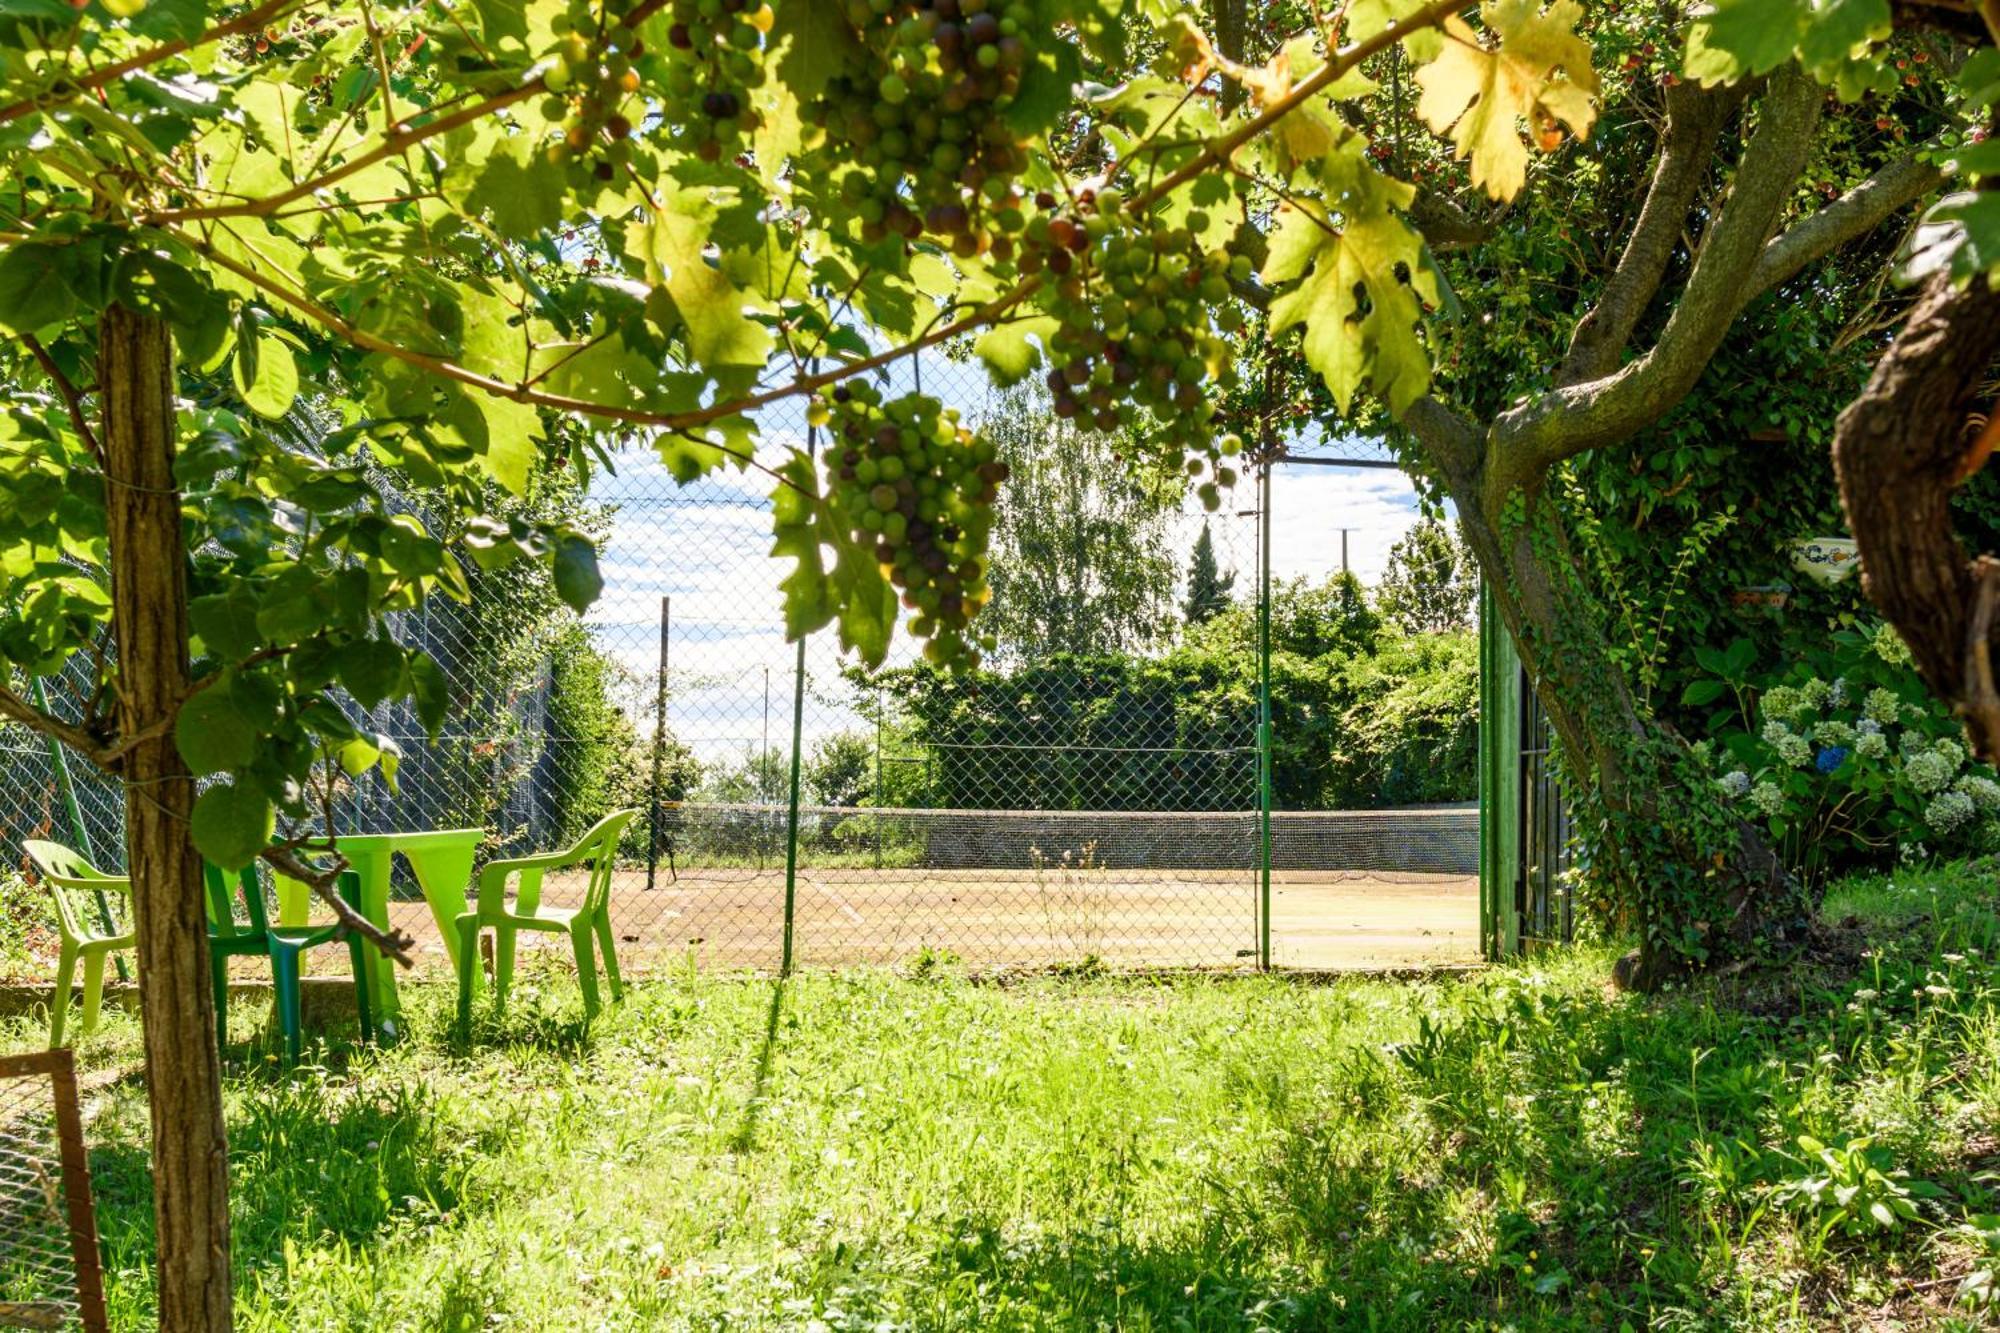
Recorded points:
(599, 846)
(67, 873)
(225, 890)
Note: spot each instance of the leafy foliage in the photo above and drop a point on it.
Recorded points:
(1430, 581)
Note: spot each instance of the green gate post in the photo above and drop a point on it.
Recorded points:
(77, 828)
(1499, 783)
(1264, 715)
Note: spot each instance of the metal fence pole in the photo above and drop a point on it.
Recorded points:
(659, 743)
(1264, 714)
(798, 728)
(77, 828)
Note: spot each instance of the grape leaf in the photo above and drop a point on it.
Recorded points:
(213, 734)
(720, 335)
(855, 591)
(1539, 74)
(1007, 351)
(1360, 247)
(1737, 38)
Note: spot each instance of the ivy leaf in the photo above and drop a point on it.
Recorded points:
(577, 579)
(33, 294)
(233, 821)
(1539, 74)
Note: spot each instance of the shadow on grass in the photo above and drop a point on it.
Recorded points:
(745, 1137)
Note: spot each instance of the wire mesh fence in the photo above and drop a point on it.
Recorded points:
(50, 1276)
(1096, 794)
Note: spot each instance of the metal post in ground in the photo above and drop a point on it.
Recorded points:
(792, 812)
(78, 830)
(1264, 713)
(659, 743)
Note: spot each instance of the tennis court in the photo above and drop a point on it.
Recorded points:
(734, 917)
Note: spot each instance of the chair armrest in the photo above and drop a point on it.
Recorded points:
(493, 879)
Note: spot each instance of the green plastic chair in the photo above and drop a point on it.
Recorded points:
(74, 884)
(230, 938)
(598, 847)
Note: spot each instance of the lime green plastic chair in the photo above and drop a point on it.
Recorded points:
(599, 849)
(74, 884)
(229, 937)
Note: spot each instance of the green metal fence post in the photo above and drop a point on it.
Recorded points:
(798, 727)
(1264, 715)
(66, 786)
(659, 743)
(1499, 783)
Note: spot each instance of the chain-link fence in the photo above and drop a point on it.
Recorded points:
(50, 1275)
(1097, 793)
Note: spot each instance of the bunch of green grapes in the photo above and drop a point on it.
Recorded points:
(915, 135)
(713, 63)
(918, 487)
(1145, 317)
(593, 86)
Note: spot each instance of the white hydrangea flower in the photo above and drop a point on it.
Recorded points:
(1837, 696)
(1950, 751)
(1775, 731)
(1817, 692)
(1767, 799)
(1867, 726)
(1983, 791)
(1871, 744)
(1833, 732)
(1783, 701)
(1889, 645)
(1948, 811)
(1794, 750)
(1928, 772)
(1738, 783)
(1880, 706)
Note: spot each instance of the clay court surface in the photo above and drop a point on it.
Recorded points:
(734, 918)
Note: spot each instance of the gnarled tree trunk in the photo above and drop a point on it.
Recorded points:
(149, 618)
(1700, 881)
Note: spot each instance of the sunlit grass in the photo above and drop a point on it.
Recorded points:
(873, 1150)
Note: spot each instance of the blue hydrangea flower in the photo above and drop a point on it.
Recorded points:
(1830, 758)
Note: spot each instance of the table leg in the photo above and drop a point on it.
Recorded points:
(444, 874)
(371, 865)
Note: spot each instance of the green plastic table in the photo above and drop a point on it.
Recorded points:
(442, 862)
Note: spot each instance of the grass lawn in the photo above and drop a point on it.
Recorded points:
(884, 1151)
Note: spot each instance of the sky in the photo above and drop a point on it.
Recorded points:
(706, 547)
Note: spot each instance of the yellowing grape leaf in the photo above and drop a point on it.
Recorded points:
(1359, 271)
(1538, 74)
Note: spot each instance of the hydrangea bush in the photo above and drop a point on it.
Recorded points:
(1852, 763)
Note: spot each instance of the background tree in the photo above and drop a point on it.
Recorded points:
(1208, 587)
(1430, 581)
(840, 770)
(1080, 559)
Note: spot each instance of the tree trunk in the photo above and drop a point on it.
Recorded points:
(149, 619)
(1700, 883)
(1899, 451)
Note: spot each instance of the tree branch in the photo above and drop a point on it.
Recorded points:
(72, 399)
(1856, 213)
(1574, 418)
(1687, 151)
(251, 20)
(392, 943)
(16, 709)
(1451, 440)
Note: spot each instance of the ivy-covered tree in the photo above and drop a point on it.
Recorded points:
(452, 226)
(1208, 587)
(1430, 581)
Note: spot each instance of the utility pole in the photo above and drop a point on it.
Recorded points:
(1343, 548)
